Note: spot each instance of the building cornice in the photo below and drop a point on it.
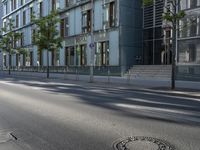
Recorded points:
(14, 11)
(74, 6)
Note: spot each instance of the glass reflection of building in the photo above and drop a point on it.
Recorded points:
(189, 33)
(153, 33)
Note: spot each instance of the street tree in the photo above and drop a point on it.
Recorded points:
(46, 35)
(9, 41)
(171, 17)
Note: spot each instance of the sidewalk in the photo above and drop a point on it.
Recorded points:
(131, 82)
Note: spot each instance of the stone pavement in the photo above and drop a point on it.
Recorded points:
(150, 83)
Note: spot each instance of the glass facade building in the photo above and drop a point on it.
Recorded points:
(100, 32)
(153, 33)
(189, 33)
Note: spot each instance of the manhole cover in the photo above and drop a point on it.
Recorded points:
(142, 143)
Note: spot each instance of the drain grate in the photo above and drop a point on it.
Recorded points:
(13, 136)
(142, 143)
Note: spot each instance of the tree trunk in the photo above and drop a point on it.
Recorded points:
(173, 57)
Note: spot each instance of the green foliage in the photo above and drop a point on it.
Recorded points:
(46, 35)
(147, 2)
(9, 38)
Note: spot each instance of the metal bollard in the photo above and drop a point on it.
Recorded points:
(108, 76)
(128, 77)
(77, 75)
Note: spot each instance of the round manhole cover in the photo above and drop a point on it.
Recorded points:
(142, 143)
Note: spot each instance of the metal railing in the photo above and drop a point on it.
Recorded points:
(81, 70)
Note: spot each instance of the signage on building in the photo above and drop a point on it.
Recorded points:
(91, 45)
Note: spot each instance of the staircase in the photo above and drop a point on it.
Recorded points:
(150, 71)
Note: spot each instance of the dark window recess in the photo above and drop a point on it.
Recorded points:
(24, 60)
(67, 3)
(5, 60)
(193, 3)
(53, 5)
(31, 13)
(41, 10)
(62, 28)
(112, 14)
(192, 52)
(24, 17)
(17, 21)
(17, 59)
(66, 27)
(31, 58)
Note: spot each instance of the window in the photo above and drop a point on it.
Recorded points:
(22, 39)
(102, 53)
(33, 35)
(67, 26)
(12, 7)
(40, 57)
(53, 57)
(62, 28)
(66, 3)
(5, 60)
(193, 26)
(193, 3)
(86, 21)
(112, 14)
(53, 5)
(17, 21)
(17, 59)
(13, 4)
(109, 16)
(187, 4)
(31, 58)
(83, 55)
(5, 8)
(40, 9)
(24, 17)
(69, 56)
(24, 60)
(5, 25)
(22, 2)
(31, 13)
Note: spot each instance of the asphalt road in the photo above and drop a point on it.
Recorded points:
(45, 115)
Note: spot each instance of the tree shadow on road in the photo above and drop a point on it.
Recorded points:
(136, 103)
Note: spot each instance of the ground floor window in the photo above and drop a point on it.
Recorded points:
(189, 51)
(17, 60)
(69, 56)
(5, 60)
(81, 55)
(102, 53)
(39, 58)
(24, 59)
(31, 58)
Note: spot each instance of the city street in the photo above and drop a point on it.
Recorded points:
(40, 114)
